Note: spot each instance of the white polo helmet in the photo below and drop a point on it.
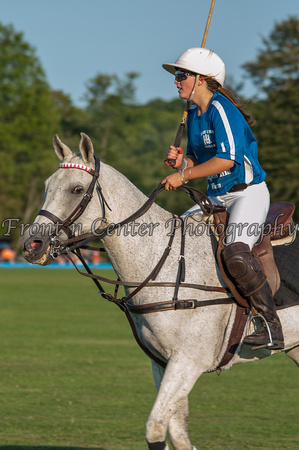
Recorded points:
(201, 61)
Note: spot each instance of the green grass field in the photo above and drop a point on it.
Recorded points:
(72, 377)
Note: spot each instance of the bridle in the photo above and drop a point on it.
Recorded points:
(65, 225)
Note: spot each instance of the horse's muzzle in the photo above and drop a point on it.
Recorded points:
(37, 251)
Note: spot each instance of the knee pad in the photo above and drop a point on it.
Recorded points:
(245, 270)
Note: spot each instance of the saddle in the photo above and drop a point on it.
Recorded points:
(279, 229)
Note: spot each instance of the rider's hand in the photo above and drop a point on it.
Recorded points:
(172, 182)
(176, 154)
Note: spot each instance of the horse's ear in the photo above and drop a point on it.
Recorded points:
(86, 149)
(61, 150)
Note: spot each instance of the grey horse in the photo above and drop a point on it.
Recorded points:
(189, 342)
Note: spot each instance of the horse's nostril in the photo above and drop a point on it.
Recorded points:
(34, 246)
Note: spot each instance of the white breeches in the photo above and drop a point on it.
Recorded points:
(247, 210)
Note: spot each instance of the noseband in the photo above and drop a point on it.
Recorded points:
(65, 225)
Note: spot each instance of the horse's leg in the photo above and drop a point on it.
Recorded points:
(178, 423)
(171, 405)
(158, 373)
(294, 354)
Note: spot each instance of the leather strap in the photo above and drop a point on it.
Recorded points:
(239, 187)
(235, 336)
(177, 305)
(56, 221)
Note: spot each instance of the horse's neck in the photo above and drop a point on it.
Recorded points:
(134, 254)
(130, 247)
(124, 198)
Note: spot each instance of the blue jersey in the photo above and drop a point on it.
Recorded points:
(223, 132)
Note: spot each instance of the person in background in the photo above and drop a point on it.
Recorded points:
(222, 148)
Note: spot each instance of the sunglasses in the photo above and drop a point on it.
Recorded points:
(181, 75)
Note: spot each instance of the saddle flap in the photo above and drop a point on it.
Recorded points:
(280, 220)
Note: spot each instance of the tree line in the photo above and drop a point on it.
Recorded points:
(131, 137)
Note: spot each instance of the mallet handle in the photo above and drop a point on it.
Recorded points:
(180, 132)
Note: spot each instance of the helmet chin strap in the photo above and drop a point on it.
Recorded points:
(194, 86)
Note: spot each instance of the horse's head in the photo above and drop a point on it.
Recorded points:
(68, 194)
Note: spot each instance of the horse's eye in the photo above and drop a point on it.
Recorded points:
(77, 190)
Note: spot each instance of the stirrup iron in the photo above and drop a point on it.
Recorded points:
(271, 343)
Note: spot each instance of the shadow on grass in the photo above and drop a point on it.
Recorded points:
(30, 447)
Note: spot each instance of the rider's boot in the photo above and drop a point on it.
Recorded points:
(248, 275)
